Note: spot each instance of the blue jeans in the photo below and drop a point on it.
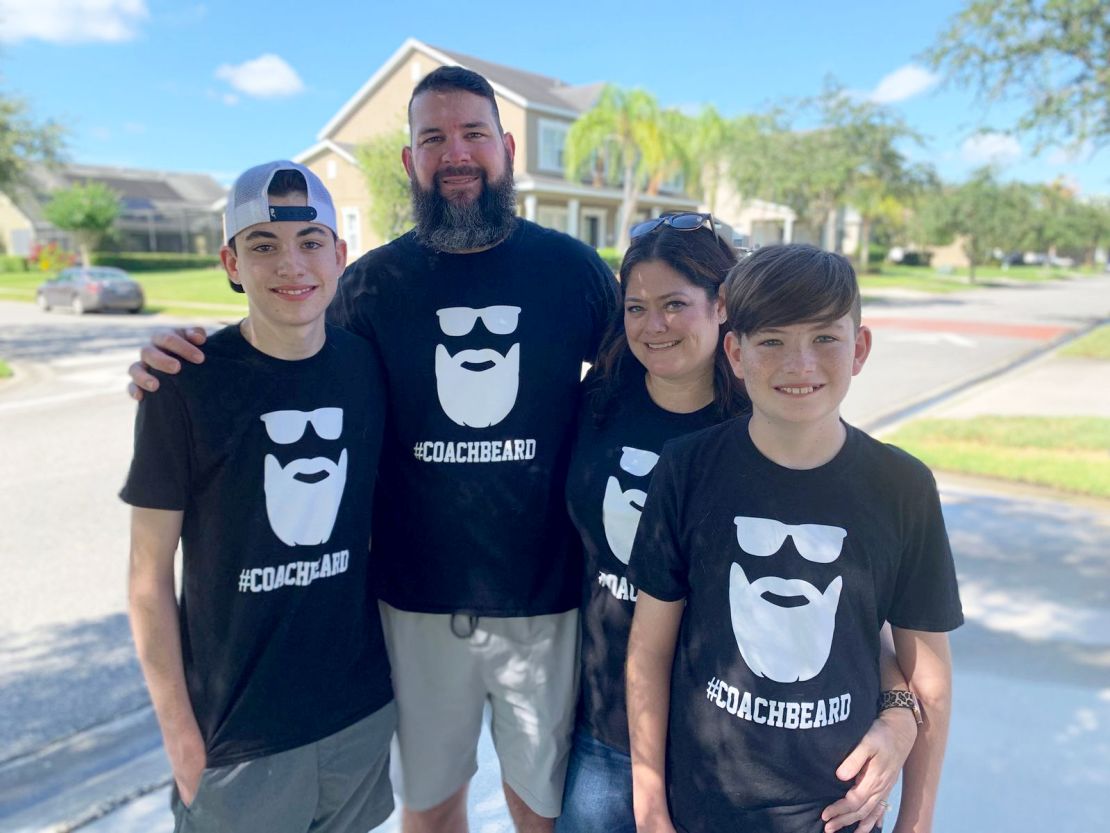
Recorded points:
(598, 794)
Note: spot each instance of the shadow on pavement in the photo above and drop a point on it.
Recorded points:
(62, 679)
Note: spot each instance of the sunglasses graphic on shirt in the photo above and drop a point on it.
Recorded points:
(285, 427)
(765, 536)
(638, 462)
(458, 321)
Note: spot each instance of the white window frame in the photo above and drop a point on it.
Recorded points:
(352, 230)
(546, 213)
(544, 148)
(600, 214)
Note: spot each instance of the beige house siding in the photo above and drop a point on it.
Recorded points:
(11, 220)
(348, 190)
(386, 108)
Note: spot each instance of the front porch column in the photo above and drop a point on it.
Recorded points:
(788, 230)
(530, 207)
(573, 209)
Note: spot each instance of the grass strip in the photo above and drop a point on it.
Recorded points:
(1071, 454)
(1094, 345)
(5, 370)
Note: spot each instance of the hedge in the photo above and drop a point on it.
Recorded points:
(13, 263)
(612, 257)
(153, 261)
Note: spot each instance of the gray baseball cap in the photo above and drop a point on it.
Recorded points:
(248, 202)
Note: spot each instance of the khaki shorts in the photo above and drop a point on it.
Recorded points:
(526, 668)
(335, 785)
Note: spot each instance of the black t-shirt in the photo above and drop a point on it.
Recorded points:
(788, 576)
(483, 355)
(610, 470)
(273, 463)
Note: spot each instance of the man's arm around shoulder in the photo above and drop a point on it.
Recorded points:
(152, 602)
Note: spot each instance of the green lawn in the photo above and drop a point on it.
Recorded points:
(5, 371)
(1071, 454)
(1094, 345)
(185, 292)
(927, 279)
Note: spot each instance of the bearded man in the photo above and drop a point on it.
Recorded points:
(482, 321)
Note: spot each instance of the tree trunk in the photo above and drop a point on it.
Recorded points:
(83, 248)
(864, 244)
(628, 206)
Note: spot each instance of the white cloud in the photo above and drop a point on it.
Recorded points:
(230, 99)
(101, 134)
(990, 149)
(134, 127)
(267, 76)
(71, 21)
(905, 82)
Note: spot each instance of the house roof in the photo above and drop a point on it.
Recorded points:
(138, 189)
(527, 89)
(534, 88)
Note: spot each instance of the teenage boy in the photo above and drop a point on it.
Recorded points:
(771, 550)
(270, 680)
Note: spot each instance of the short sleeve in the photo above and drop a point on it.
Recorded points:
(926, 595)
(161, 467)
(658, 565)
(350, 307)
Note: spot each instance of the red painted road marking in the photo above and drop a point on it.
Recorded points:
(1034, 332)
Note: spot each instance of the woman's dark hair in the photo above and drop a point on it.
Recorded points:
(704, 260)
(788, 284)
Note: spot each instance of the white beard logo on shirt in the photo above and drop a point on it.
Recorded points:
(303, 497)
(784, 643)
(620, 510)
(471, 394)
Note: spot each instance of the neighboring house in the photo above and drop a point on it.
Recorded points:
(537, 110)
(159, 211)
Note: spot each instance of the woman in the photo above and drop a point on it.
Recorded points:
(661, 373)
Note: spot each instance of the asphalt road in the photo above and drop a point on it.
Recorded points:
(65, 657)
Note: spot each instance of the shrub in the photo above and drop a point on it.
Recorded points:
(612, 257)
(49, 258)
(917, 258)
(876, 253)
(153, 261)
(13, 263)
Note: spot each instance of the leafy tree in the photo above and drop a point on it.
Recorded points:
(621, 140)
(983, 213)
(22, 142)
(1052, 54)
(387, 184)
(851, 155)
(87, 210)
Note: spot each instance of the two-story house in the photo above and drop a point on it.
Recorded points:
(537, 110)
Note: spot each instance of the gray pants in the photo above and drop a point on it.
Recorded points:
(339, 784)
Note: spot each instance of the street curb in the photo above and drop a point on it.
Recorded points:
(83, 777)
(895, 417)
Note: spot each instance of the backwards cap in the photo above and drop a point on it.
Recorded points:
(248, 203)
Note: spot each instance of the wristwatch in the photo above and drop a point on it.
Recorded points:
(900, 698)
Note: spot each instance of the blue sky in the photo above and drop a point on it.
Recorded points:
(188, 86)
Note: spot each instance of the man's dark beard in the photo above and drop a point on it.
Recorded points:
(459, 226)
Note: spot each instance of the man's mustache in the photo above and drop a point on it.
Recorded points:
(459, 170)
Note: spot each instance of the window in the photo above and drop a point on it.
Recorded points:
(592, 228)
(552, 216)
(676, 184)
(352, 232)
(553, 137)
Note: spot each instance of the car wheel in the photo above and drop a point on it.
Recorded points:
(44, 304)
(77, 305)
(135, 310)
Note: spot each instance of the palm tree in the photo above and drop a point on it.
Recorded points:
(621, 139)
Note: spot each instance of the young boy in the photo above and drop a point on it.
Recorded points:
(270, 680)
(771, 550)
